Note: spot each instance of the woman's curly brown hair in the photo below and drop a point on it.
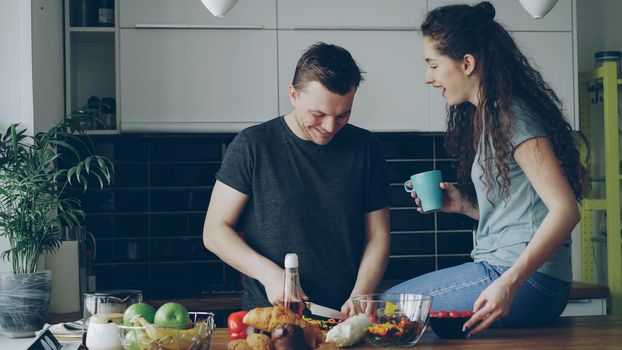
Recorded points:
(506, 76)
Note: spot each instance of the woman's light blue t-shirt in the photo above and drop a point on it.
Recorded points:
(506, 226)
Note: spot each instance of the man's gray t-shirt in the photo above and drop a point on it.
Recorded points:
(307, 199)
(505, 228)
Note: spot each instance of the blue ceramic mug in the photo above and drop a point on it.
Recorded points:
(427, 185)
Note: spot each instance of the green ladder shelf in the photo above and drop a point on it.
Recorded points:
(607, 73)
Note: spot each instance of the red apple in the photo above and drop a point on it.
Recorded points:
(171, 315)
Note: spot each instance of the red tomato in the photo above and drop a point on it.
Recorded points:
(373, 318)
(466, 313)
(454, 314)
(442, 314)
(433, 314)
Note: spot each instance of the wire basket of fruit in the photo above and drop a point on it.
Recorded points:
(172, 327)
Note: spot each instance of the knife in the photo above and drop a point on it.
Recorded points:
(324, 311)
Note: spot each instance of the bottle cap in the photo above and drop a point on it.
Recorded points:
(291, 260)
(607, 55)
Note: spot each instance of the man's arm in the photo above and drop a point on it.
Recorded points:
(375, 256)
(219, 236)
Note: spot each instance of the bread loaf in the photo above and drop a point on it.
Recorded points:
(269, 318)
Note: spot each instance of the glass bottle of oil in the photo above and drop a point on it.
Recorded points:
(292, 292)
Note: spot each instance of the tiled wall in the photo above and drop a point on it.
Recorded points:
(148, 224)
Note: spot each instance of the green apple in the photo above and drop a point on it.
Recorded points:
(146, 310)
(171, 315)
(131, 341)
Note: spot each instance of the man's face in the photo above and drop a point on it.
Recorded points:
(320, 113)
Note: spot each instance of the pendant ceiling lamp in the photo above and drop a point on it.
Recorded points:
(538, 8)
(219, 8)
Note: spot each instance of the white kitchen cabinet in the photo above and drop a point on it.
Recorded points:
(252, 13)
(511, 14)
(350, 14)
(586, 307)
(551, 54)
(199, 80)
(181, 69)
(393, 96)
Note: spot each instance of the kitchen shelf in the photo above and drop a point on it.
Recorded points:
(92, 69)
(606, 78)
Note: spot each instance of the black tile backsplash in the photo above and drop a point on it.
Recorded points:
(122, 250)
(115, 201)
(183, 280)
(182, 175)
(409, 219)
(413, 244)
(124, 276)
(175, 224)
(180, 249)
(403, 268)
(130, 175)
(407, 146)
(399, 171)
(175, 200)
(186, 149)
(148, 224)
(118, 225)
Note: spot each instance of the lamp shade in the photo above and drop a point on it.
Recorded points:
(538, 8)
(219, 8)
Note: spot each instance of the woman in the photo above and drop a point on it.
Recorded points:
(519, 174)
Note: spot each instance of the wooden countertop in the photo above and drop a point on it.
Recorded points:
(568, 333)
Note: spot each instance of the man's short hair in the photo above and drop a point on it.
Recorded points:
(330, 65)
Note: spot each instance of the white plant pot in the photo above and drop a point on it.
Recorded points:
(219, 8)
(538, 8)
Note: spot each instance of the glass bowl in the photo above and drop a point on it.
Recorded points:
(448, 325)
(398, 319)
(152, 337)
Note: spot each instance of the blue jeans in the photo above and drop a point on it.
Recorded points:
(540, 299)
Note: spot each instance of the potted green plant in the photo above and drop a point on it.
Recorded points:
(37, 203)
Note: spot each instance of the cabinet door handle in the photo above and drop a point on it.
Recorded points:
(196, 26)
(377, 28)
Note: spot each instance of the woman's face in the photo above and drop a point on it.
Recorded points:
(456, 79)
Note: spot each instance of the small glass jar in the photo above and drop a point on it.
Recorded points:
(604, 56)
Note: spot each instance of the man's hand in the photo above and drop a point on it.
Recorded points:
(273, 284)
(348, 308)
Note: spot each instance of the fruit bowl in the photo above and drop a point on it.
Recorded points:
(152, 337)
(397, 319)
(448, 325)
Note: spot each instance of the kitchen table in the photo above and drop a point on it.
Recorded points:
(568, 333)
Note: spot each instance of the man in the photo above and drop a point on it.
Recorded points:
(306, 183)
